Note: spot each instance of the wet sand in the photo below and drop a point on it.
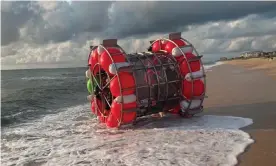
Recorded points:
(235, 89)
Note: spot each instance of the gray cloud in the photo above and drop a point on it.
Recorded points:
(13, 16)
(65, 21)
(253, 25)
(140, 18)
(60, 33)
(42, 22)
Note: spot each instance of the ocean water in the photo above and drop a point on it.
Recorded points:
(32, 93)
(46, 120)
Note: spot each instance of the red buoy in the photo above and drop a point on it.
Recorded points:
(102, 119)
(117, 110)
(105, 59)
(169, 45)
(194, 65)
(94, 107)
(198, 88)
(158, 45)
(175, 110)
(93, 60)
(126, 80)
(93, 110)
(112, 121)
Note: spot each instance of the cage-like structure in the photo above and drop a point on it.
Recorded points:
(168, 77)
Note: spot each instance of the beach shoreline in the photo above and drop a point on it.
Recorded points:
(265, 64)
(246, 88)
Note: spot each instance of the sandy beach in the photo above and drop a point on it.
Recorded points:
(246, 88)
(267, 65)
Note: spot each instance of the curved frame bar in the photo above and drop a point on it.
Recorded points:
(203, 70)
(120, 86)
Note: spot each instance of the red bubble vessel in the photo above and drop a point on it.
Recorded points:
(168, 77)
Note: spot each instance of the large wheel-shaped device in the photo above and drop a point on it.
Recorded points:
(168, 77)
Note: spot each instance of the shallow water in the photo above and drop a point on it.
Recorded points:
(72, 137)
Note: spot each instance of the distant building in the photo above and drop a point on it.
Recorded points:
(273, 53)
(254, 54)
(251, 54)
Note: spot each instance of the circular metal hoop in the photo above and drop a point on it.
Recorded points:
(189, 67)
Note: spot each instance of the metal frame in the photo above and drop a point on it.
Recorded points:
(133, 67)
(177, 35)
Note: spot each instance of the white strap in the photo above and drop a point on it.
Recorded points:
(176, 52)
(88, 73)
(112, 67)
(90, 97)
(127, 99)
(195, 75)
(100, 50)
(194, 104)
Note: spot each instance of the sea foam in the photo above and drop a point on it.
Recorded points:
(74, 137)
(208, 67)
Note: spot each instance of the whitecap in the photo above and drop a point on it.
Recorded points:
(208, 67)
(74, 137)
(47, 78)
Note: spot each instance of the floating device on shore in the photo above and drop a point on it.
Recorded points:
(168, 77)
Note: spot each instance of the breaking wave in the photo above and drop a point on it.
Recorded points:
(47, 78)
(74, 137)
(209, 66)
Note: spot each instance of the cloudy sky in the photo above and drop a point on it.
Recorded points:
(58, 34)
